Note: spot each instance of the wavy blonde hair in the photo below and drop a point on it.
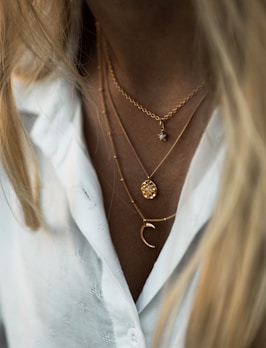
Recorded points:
(229, 309)
(36, 39)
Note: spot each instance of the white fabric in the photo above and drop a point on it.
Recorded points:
(63, 286)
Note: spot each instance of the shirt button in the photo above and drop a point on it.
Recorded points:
(133, 336)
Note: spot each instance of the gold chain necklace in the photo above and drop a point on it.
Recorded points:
(146, 222)
(149, 188)
(161, 119)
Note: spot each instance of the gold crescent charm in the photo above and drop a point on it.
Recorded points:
(146, 225)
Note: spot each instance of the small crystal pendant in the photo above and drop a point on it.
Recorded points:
(149, 189)
(162, 135)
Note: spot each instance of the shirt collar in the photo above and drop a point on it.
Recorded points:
(57, 131)
(53, 104)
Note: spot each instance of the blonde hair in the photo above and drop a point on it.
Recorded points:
(33, 45)
(229, 309)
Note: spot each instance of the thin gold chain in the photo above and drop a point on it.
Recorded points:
(115, 156)
(137, 104)
(149, 176)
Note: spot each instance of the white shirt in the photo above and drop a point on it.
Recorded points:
(63, 286)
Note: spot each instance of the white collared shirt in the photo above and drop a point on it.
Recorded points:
(63, 286)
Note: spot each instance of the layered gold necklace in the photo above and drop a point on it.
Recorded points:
(151, 188)
(161, 119)
(148, 187)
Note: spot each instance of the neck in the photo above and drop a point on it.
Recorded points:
(151, 45)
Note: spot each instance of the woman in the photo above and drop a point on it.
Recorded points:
(119, 169)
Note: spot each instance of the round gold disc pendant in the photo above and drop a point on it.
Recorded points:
(149, 189)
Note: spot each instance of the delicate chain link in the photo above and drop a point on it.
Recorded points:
(122, 179)
(141, 107)
(149, 176)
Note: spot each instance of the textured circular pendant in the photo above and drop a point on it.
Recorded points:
(149, 189)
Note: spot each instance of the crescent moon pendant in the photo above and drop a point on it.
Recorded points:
(142, 229)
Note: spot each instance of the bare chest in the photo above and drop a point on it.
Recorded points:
(127, 226)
